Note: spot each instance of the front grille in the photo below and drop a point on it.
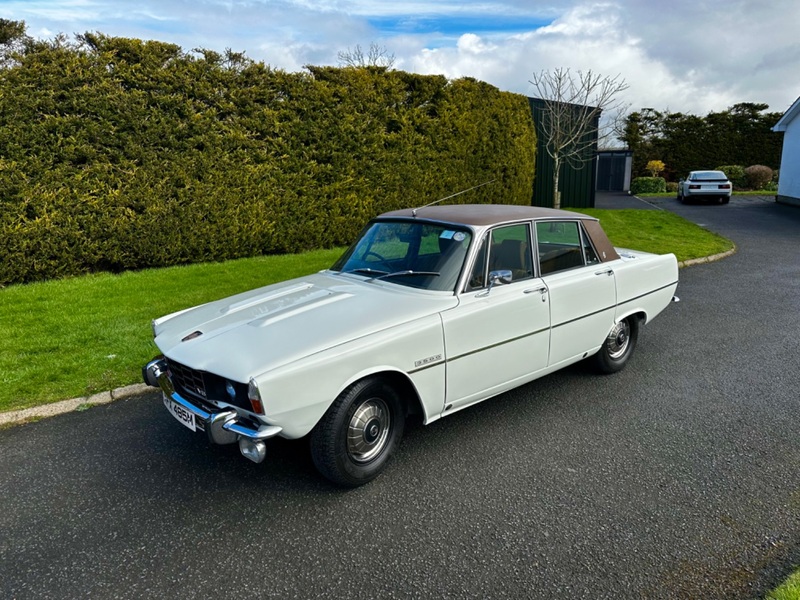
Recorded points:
(190, 380)
(207, 386)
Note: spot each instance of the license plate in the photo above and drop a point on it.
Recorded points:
(181, 414)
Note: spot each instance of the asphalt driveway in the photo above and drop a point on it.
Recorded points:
(677, 478)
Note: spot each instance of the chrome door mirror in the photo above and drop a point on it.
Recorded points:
(502, 276)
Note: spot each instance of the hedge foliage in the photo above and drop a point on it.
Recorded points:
(121, 154)
(740, 135)
(735, 174)
(648, 185)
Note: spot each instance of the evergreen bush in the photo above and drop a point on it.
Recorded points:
(122, 154)
(648, 185)
(736, 175)
(758, 176)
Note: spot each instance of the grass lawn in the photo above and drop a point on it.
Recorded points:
(658, 231)
(788, 590)
(75, 337)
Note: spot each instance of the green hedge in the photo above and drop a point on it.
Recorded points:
(736, 175)
(648, 185)
(121, 154)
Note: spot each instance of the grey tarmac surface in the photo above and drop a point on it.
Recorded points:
(677, 478)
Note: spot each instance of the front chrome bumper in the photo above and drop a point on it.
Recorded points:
(223, 427)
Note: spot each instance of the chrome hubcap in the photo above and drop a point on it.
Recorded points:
(618, 340)
(368, 430)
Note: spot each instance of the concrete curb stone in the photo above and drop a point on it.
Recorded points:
(16, 417)
(707, 259)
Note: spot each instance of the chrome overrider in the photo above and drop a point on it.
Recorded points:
(224, 427)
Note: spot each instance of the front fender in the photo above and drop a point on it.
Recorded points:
(297, 395)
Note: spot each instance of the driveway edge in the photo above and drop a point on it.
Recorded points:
(707, 259)
(18, 417)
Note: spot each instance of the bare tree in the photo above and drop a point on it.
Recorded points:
(377, 56)
(570, 123)
(612, 126)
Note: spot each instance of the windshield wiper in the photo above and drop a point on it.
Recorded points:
(408, 273)
(368, 271)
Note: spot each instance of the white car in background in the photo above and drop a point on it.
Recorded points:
(430, 311)
(705, 185)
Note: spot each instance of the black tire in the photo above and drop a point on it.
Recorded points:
(618, 346)
(355, 438)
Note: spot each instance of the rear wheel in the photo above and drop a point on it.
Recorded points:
(618, 346)
(358, 434)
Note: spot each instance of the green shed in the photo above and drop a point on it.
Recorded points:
(577, 184)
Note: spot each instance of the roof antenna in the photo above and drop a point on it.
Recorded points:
(475, 187)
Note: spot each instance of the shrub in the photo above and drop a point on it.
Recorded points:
(772, 186)
(758, 176)
(648, 185)
(736, 175)
(655, 167)
(672, 186)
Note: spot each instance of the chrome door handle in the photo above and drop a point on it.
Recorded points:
(606, 272)
(543, 290)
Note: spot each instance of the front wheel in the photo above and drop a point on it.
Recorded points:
(358, 434)
(618, 346)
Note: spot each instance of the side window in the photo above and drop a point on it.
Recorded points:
(589, 255)
(477, 278)
(562, 246)
(510, 250)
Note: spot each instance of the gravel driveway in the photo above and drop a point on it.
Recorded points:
(677, 478)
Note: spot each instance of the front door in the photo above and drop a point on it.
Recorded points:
(498, 335)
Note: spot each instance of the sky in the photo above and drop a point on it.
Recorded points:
(690, 56)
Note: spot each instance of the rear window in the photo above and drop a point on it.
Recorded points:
(709, 176)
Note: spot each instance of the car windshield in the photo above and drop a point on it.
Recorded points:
(709, 176)
(411, 253)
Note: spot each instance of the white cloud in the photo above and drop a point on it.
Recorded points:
(688, 56)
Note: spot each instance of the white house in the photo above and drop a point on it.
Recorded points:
(789, 181)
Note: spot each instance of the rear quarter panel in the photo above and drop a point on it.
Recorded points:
(645, 284)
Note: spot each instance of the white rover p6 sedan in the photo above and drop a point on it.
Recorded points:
(431, 310)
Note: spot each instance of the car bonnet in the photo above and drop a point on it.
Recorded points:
(251, 333)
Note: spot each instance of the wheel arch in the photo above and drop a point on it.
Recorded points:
(400, 381)
(640, 315)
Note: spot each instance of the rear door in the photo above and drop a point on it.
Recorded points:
(582, 290)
